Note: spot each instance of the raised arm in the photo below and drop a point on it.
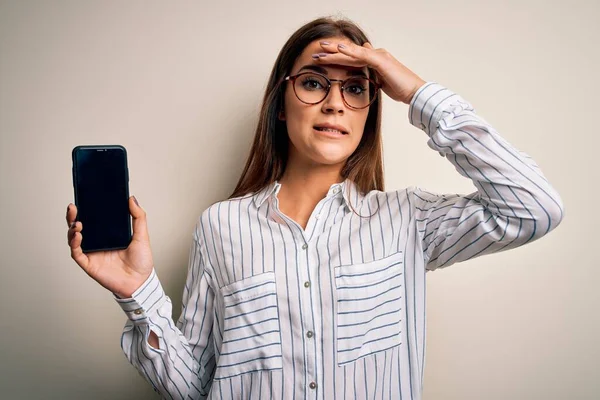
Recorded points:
(514, 204)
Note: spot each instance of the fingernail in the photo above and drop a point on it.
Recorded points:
(325, 43)
(315, 56)
(342, 46)
(322, 54)
(136, 202)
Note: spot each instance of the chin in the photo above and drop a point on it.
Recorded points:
(322, 153)
(330, 159)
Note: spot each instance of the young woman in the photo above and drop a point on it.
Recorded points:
(309, 282)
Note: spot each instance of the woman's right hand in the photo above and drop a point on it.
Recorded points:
(120, 271)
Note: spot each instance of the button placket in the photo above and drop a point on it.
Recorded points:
(313, 221)
(312, 323)
(304, 263)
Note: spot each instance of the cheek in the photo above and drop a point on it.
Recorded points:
(358, 125)
(298, 116)
(290, 109)
(293, 106)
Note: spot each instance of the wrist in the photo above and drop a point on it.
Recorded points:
(418, 85)
(123, 295)
(128, 291)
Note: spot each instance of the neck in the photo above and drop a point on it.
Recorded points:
(310, 181)
(303, 187)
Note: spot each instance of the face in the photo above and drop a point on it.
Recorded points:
(309, 125)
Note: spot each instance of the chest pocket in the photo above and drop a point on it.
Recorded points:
(370, 301)
(251, 334)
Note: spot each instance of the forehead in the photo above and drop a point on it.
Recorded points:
(314, 47)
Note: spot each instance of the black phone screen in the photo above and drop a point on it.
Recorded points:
(101, 182)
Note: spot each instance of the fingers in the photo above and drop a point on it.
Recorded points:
(347, 53)
(358, 52)
(140, 227)
(71, 214)
(339, 59)
(76, 227)
(74, 238)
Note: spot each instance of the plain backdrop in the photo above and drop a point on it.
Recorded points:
(179, 84)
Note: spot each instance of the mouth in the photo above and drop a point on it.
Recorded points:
(330, 130)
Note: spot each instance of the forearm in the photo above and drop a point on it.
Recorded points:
(154, 345)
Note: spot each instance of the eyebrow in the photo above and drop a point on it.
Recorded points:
(317, 68)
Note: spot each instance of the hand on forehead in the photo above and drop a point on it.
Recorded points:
(315, 47)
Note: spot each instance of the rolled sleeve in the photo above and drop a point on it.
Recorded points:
(428, 105)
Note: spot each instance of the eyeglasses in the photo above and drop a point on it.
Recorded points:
(312, 88)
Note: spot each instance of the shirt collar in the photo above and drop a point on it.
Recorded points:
(265, 193)
(347, 189)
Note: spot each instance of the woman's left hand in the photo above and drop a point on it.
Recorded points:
(398, 82)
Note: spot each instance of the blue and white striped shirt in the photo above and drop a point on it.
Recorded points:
(336, 310)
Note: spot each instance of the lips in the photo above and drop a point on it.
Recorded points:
(332, 128)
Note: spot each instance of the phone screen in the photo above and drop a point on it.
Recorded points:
(100, 177)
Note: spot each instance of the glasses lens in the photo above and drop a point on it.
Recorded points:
(311, 88)
(359, 92)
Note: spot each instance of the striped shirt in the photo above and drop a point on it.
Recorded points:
(335, 310)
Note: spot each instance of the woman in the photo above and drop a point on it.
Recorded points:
(309, 281)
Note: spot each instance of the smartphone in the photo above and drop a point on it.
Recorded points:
(101, 185)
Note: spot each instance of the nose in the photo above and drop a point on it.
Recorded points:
(334, 103)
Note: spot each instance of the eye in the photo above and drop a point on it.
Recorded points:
(312, 82)
(356, 90)
(356, 87)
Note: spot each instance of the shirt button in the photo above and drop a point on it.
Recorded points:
(304, 246)
(336, 190)
(309, 334)
(138, 311)
(312, 385)
(317, 216)
(422, 126)
(307, 284)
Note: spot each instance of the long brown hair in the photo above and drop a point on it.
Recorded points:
(269, 153)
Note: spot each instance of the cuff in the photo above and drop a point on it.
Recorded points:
(428, 105)
(144, 301)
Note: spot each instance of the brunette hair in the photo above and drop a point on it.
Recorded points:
(268, 155)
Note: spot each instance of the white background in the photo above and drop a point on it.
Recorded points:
(179, 84)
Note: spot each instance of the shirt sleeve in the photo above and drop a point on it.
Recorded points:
(514, 203)
(184, 364)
